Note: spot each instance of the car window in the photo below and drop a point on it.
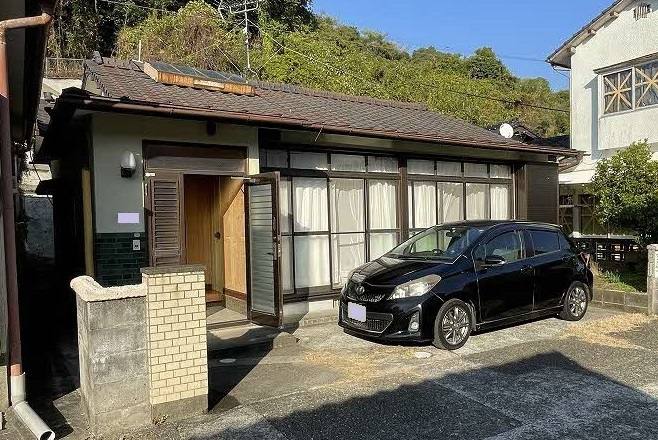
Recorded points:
(544, 241)
(506, 245)
(565, 244)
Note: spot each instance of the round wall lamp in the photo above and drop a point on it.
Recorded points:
(128, 164)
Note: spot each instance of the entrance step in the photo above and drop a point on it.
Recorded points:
(291, 321)
(248, 336)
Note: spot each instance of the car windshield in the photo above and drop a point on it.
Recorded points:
(439, 242)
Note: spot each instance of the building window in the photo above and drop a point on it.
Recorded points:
(457, 191)
(337, 210)
(618, 91)
(629, 89)
(341, 210)
(642, 11)
(646, 85)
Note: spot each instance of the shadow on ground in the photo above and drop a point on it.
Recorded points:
(539, 397)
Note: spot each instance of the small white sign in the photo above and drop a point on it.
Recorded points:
(128, 218)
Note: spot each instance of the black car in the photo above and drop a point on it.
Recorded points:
(452, 279)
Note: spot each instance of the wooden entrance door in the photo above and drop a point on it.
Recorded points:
(200, 202)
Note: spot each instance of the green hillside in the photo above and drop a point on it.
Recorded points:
(290, 44)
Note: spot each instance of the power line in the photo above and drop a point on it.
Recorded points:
(433, 86)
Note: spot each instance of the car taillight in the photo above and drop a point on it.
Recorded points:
(585, 257)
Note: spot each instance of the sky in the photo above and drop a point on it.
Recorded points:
(528, 29)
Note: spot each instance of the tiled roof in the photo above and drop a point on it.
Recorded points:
(126, 81)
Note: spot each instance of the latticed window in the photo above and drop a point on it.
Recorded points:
(646, 85)
(618, 91)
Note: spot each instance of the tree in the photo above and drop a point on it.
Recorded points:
(485, 65)
(626, 190)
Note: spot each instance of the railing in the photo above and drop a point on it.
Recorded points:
(62, 68)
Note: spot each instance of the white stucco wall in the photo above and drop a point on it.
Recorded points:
(620, 40)
(113, 134)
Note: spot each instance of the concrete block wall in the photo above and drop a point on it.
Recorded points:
(652, 279)
(178, 360)
(113, 357)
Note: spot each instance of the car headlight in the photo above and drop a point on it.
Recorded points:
(347, 280)
(416, 287)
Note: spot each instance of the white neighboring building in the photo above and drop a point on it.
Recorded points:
(614, 96)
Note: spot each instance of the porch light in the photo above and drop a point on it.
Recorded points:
(128, 164)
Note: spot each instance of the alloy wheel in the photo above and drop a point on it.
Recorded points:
(455, 325)
(577, 301)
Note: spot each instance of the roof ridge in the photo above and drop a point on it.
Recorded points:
(290, 88)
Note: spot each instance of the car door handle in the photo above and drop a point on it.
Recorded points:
(566, 258)
(526, 269)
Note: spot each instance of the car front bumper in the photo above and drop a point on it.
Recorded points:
(387, 320)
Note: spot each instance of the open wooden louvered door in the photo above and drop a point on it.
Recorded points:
(265, 301)
(166, 228)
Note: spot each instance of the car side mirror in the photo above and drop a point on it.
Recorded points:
(493, 261)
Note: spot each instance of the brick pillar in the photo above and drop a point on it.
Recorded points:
(176, 322)
(652, 279)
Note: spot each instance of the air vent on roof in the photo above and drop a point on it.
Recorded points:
(642, 11)
(199, 78)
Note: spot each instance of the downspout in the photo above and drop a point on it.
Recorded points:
(17, 378)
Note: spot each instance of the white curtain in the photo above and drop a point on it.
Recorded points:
(284, 206)
(420, 167)
(286, 263)
(476, 201)
(448, 168)
(348, 252)
(378, 164)
(347, 205)
(348, 162)
(500, 202)
(308, 161)
(452, 196)
(381, 242)
(310, 210)
(382, 204)
(475, 169)
(424, 204)
(311, 261)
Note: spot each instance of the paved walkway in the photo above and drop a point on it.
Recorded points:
(549, 379)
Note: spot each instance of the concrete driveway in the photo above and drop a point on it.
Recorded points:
(549, 379)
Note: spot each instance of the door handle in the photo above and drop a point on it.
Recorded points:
(217, 235)
(526, 269)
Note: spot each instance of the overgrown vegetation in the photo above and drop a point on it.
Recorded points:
(290, 44)
(626, 190)
(623, 280)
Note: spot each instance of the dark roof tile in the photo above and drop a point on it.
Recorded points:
(121, 79)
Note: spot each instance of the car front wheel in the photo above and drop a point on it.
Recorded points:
(452, 325)
(575, 302)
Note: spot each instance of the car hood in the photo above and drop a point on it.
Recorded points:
(390, 271)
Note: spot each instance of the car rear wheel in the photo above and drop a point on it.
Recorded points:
(575, 302)
(452, 325)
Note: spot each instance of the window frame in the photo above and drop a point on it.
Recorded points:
(463, 180)
(402, 179)
(633, 67)
(288, 174)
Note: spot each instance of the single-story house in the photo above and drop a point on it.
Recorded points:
(279, 191)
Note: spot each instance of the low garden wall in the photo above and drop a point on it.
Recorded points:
(142, 349)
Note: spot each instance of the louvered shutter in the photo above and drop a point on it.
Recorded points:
(166, 228)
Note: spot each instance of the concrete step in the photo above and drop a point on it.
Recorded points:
(248, 336)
